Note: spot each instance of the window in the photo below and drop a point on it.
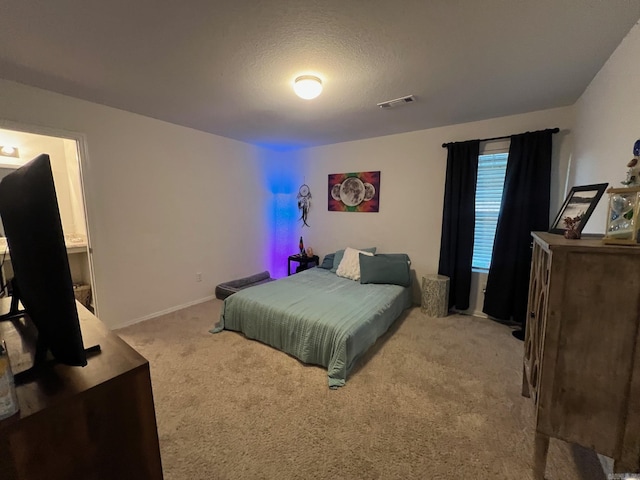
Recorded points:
(492, 168)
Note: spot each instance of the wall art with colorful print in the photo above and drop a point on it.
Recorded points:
(354, 192)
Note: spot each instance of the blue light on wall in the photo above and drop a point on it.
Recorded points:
(281, 180)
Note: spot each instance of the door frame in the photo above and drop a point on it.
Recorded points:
(82, 153)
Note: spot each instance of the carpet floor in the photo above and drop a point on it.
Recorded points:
(432, 399)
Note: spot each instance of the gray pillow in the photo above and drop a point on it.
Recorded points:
(340, 253)
(389, 268)
(327, 262)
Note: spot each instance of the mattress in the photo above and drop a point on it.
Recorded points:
(317, 317)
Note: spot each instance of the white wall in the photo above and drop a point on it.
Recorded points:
(412, 169)
(164, 202)
(281, 177)
(608, 124)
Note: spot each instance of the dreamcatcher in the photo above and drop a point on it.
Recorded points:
(304, 202)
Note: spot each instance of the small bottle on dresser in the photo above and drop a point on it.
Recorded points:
(8, 398)
(301, 247)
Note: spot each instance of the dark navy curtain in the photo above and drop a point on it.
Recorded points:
(458, 223)
(524, 208)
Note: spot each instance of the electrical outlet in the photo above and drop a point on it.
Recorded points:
(198, 276)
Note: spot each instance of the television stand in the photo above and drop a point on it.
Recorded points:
(14, 309)
(95, 422)
(12, 315)
(32, 373)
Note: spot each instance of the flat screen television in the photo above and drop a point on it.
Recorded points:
(42, 278)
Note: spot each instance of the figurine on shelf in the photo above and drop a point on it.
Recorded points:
(572, 232)
(633, 174)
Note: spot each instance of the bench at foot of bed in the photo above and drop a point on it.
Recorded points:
(227, 288)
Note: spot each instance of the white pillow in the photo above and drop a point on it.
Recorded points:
(350, 265)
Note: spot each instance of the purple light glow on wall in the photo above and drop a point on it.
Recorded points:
(280, 210)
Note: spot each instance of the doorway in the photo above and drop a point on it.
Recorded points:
(25, 143)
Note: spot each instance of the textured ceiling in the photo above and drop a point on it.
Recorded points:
(227, 67)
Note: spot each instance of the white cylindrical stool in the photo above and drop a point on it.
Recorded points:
(435, 295)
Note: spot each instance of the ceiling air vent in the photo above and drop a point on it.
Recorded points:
(397, 101)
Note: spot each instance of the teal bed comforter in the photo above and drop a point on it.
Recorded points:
(317, 317)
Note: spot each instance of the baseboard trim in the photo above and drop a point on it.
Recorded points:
(163, 312)
(477, 313)
(474, 313)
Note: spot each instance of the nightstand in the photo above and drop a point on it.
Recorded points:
(303, 261)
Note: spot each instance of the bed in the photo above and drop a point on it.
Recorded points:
(316, 316)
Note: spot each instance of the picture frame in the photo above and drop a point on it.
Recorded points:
(581, 201)
(354, 192)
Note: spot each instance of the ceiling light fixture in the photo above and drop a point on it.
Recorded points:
(307, 86)
(7, 151)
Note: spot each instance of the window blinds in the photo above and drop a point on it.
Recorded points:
(491, 172)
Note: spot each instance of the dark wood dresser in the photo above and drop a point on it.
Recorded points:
(92, 423)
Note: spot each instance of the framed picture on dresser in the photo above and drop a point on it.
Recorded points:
(579, 205)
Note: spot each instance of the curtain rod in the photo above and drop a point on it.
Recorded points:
(552, 130)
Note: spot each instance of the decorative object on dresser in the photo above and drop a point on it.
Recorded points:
(622, 223)
(571, 226)
(633, 174)
(354, 192)
(578, 207)
(624, 205)
(581, 365)
(8, 399)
